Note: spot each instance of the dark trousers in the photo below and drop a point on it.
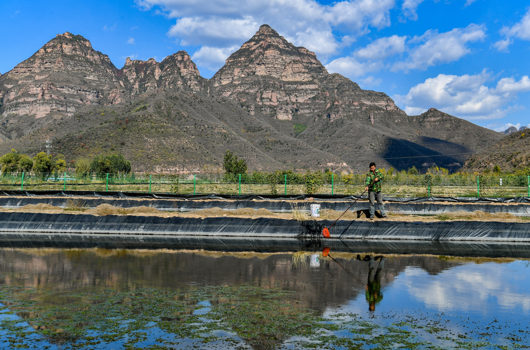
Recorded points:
(373, 196)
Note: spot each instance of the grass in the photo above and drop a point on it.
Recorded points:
(75, 204)
(299, 128)
(299, 211)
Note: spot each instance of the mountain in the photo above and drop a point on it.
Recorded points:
(176, 73)
(510, 130)
(63, 76)
(272, 103)
(511, 153)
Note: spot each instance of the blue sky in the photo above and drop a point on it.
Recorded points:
(469, 58)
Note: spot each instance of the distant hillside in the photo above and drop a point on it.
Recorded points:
(273, 104)
(511, 153)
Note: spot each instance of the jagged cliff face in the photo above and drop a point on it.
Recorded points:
(64, 75)
(273, 104)
(270, 75)
(176, 72)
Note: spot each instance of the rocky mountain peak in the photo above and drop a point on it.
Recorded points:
(62, 76)
(175, 72)
(510, 130)
(268, 54)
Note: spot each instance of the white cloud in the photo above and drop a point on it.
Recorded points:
(440, 48)
(465, 96)
(409, 8)
(520, 30)
(368, 59)
(371, 81)
(382, 48)
(212, 57)
(131, 41)
(221, 23)
(502, 45)
(469, 2)
(351, 67)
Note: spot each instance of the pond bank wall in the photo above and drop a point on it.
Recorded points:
(262, 245)
(449, 231)
(278, 206)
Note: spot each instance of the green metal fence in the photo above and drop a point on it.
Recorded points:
(283, 184)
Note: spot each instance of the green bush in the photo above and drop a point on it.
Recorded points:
(110, 164)
(233, 165)
(313, 181)
(14, 162)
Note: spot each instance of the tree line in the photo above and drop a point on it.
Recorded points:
(14, 163)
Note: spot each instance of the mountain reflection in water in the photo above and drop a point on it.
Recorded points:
(433, 286)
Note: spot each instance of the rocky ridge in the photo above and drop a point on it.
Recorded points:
(176, 72)
(272, 102)
(511, 153)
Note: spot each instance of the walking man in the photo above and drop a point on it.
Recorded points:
(373, 186)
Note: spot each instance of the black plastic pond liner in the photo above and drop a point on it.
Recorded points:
(316, 197)
(414, 208)
(263, 245)
(263, 228)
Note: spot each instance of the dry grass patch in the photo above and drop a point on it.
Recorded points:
(243, 212)
(476, 215)
(299, 211)
(38, 207)
(75, 204)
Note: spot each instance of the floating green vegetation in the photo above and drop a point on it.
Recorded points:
(233, 316)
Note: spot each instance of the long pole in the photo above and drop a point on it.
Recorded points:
(478, 186)
(332, 184)
(240, 184)
(107, 187)
(194, 180)
(150, 183)
(22, 184)
(528, 182)
(285, 181)
(64, 181)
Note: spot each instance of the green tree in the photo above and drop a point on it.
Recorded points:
(25, 164)
(497, 169)
(10, 161)
(82, 167)
(43, 164)
(111, 164)
(233, 165)
(413, 171)
(59, 165)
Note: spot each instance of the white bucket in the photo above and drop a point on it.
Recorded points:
(314, 261)
(315, 210)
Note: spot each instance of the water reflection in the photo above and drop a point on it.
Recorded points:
(373, 287)
(276, 295)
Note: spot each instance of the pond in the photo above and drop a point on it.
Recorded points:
(156, 299)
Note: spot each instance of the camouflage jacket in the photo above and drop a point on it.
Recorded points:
(370, 177)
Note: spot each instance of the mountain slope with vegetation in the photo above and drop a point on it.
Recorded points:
(511, 154)
(273, 104)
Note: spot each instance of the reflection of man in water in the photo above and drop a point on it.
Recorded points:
(373, 288)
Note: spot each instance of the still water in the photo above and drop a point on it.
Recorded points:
(154, 299)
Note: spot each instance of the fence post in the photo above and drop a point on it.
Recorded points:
(64, 180)
(107, 187)
(478, 186)
(285, 181)
(22, 184)
(332, 175)
(150, 183)
(194, 179)
(240, 184)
